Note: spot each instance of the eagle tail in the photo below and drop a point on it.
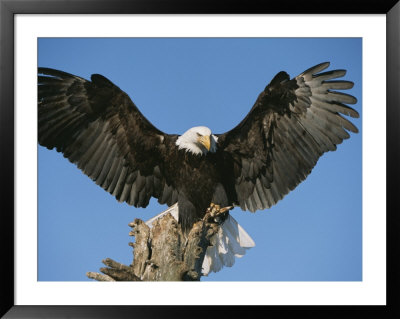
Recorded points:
(229, 243)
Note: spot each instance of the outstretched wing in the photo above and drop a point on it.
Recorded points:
(97, 127)
(292, 123)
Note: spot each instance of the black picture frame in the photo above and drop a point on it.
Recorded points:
(8, 10)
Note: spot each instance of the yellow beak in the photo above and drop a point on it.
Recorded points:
(205, 140)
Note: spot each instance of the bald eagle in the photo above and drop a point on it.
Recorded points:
(254, 165)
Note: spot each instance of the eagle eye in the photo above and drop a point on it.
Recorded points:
(198, 134)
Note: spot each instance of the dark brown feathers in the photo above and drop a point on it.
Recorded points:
(292, 123)
(97, 127)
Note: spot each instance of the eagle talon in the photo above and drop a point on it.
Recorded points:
(218, 214)
(213, 209)
(224, 209)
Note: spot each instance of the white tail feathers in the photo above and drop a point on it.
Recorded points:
(231, 241)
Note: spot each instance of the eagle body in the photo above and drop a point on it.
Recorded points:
(197, 180)
(254, 165)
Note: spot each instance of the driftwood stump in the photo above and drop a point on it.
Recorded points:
(164, 252)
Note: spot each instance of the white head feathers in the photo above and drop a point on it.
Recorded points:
(198, 140)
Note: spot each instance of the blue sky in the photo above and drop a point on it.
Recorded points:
(313, 234)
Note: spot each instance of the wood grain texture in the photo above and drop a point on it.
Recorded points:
(165, 252)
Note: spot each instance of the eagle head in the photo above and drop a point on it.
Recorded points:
(198, 140)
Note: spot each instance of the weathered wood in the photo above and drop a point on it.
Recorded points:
(99, 277)
(164, 252)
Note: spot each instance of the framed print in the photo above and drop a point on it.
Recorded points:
(215, 60)
(327, 243)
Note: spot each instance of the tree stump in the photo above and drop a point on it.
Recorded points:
(164, 252)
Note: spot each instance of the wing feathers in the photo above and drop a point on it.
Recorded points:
(102, 152)
(329, 75)
(98, 128)
(334, 107)
(338, 97)
(337, 85)
(298, 120)
(315, 69)
(105, 168)
(125, 192)
(120, 182)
